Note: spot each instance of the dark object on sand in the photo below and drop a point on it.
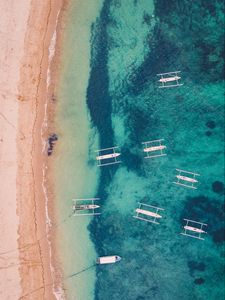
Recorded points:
(51, 141)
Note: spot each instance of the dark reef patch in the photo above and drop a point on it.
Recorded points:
(196, 55)
(132, 161)
(199, 281)
(139, 120)
(196, 266)
(218, 187)
(211, 124)
(219, 235)
(208, 133)
(162, 56)
(147, 19)
(98, 98)
(140, 124)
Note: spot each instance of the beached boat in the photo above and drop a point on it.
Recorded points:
(108, 259)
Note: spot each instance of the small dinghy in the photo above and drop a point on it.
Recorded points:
(108, 259)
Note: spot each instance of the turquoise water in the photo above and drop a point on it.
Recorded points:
(108, 95)
(75, 177)
(132, 41)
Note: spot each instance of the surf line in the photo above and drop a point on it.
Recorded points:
(51, 283)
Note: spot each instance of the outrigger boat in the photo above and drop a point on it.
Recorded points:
(197, 230)
(154, 148)
(107, 156)
(187, 181)
(85, 207)
(108, 259)
(146, 215)
(111, 158)
(169, 77)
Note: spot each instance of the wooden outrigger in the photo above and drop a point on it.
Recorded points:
(109, 155)
(169, 78)
(187, 181)
(195, 230)
(142, 213)
(154, 148)
(86, 207)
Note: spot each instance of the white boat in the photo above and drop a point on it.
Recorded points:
(194, 232)
(85, 206)
(108, 259)
(147, 213)
(169, 79)
(194, 229)
(150, 149)
(107, 156)
(154, 148)
(186, 178)
(144, 212)
(111, 158)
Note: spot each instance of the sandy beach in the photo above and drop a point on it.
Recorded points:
(27, 30)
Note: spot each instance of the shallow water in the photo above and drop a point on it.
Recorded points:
(75, 177)
(132, 41)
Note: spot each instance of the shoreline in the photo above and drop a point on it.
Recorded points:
(74, 175)
(38, 275)
(32, 264)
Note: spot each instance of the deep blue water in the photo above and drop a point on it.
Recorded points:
(130, 45)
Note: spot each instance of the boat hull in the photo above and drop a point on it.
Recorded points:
(194, 229)
(150, 149)
(169, 79)
(108, 259)
(148, 213)
(108, 156)
(186, 178)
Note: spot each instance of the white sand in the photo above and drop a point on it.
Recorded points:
(12, 33)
